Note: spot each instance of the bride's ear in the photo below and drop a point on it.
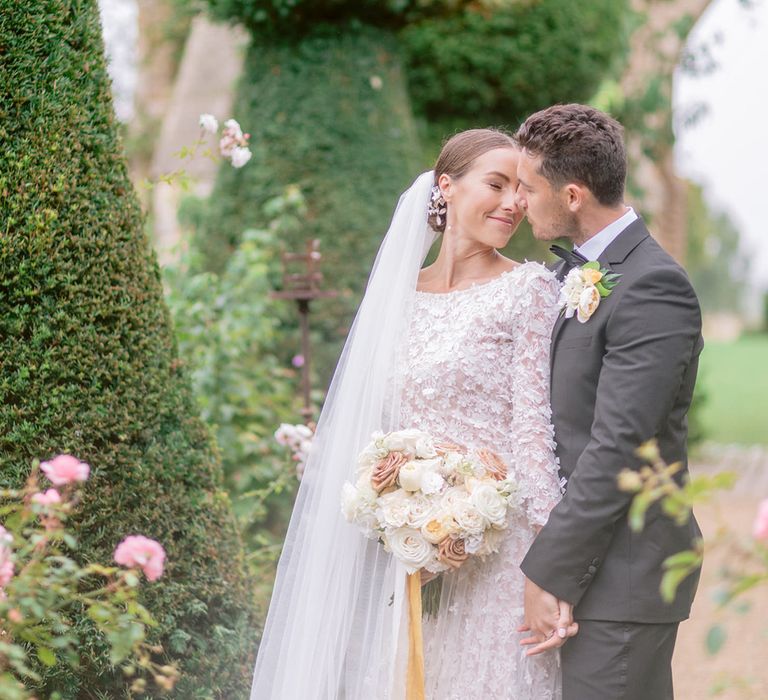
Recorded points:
(445, 184)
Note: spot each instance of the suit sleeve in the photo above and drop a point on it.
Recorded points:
(651, 338)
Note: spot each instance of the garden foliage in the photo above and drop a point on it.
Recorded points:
(88, 362)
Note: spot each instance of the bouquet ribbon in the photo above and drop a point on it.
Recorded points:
(415, 677)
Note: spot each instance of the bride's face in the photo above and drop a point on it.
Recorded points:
(482, 205)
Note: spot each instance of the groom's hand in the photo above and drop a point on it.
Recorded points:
(549, 620)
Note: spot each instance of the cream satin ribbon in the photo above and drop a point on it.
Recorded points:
(415, 678)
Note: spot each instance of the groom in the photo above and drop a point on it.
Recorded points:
(622, 377)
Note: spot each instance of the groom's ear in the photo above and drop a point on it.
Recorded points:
(575, 196)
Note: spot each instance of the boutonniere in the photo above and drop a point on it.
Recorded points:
(583, 289)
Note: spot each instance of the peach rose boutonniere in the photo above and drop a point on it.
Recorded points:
(584, 288)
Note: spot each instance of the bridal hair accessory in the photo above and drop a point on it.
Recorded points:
(437, 206)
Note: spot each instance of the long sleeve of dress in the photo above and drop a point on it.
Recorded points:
(533, 455)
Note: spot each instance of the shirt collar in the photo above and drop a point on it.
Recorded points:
(594, 247)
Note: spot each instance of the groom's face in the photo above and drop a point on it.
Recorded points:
(545, 207)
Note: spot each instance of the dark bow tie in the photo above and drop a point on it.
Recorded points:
(572, 258)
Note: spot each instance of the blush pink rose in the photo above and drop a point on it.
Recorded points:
(142, 552)
(452, 552)
(48, 498)
(494, 464)
(6, 573)
(760, 529)
(65, 469)
(6, 563)
(386, 470)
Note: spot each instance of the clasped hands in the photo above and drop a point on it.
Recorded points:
(549, 620)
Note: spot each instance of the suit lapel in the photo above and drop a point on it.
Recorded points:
(615, 254)
(558, 270)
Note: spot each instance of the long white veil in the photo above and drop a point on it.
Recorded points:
(336, 627)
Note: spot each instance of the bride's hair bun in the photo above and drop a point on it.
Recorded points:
(456, 157)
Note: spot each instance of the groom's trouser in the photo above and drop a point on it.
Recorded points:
(619, 661)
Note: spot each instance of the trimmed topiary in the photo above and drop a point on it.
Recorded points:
(88, 364)
(328, 112)
(481, 65)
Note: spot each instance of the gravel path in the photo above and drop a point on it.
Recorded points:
(739, 671)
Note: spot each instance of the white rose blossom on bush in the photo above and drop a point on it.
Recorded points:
(431, 504)
(298, 438)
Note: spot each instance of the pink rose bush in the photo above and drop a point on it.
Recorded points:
(40, 586)
(65, 469)
(140, 552)
(760, 528)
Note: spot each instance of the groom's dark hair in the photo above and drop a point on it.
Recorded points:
(578, 144)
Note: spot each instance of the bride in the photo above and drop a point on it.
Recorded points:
(459, 349)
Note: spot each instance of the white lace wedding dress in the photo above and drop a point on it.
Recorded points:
(477, 372)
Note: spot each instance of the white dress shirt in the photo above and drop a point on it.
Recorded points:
(594, 247)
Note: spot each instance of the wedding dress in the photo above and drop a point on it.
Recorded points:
(471, 366)
(476, 372)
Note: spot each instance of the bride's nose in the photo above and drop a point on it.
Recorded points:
(510, 202)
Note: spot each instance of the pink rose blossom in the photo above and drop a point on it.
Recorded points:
(65, 469)
(48, 498)
(6, 573)
(760, 529)
(298, 361)
(140, 551)
(6, 563)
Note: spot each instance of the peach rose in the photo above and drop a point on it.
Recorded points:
(386, 470)
(451, 552)
(493, 463)
(592, 276)
(443, 447)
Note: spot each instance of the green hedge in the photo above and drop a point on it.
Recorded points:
(319, 118)
(88, 364)
(500, 66)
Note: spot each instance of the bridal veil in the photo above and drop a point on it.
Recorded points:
(337, 622)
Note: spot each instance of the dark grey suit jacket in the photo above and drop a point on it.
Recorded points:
(621, 378)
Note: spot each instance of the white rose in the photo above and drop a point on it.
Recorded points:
(404, 440)
(209, 123)
(490, 543)
(473, 544)
(410, 475)
(489, 503)
(370, 456)
(425, 448)
(468, 518)
(394, 509)
(234, 127)
(409, 547)
(240, 156)
(423, 509)
(588, 303)
(432, 483)
(451, 463)
(357, 506)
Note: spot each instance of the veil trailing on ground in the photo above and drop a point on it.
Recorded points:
(337, 623)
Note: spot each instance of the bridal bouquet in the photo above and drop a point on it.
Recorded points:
(431, 504)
